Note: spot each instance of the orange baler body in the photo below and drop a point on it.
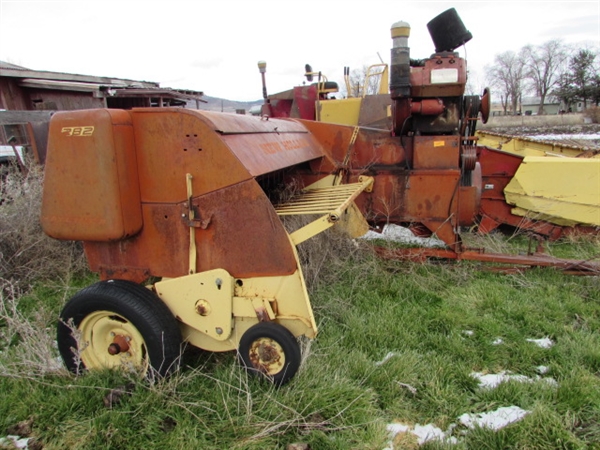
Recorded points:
(117, 181)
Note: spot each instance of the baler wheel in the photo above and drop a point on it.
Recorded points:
(270, 349)
(118, 323)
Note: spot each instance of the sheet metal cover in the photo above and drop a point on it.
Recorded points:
(265, 145)
(565, 191)
(91, 188)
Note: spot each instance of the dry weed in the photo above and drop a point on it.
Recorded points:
(593, 112)
(324, 256)
(26, 253)
(28, 345)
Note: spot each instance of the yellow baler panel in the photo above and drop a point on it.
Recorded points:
(342, 112)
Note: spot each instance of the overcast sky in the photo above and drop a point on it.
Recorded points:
(214, 45)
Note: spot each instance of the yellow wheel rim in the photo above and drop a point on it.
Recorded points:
(109, 340)
(267, 356)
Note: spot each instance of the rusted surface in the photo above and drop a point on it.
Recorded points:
(372, 148)
(267, 356)
(203, 308)
(91, 187)
(305, 98)
(120, 344)
(504, 261)
(417, 179)
(427, 107)
(262, 314)
(420, 77)
(171, 144)
(141, 178)
(436, 152)
(244, 237)
(374, 111)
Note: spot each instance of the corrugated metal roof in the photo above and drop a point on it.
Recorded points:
(7, 65)
(66, 81)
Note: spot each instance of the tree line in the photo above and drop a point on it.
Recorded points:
(552, 69)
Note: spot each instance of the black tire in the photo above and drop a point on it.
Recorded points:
(124, 306)
(270, 350)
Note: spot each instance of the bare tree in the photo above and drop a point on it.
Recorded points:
(507, 76)
(544, 65)
(357, 79)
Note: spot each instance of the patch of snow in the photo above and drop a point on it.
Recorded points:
(429, 432)
(542, 370)
(424, 433)
(494, 420)
(385, 358)
(491, 381)
(11, 441)
(396, 428)
(397, 233)
(560, 137)
(543, 343)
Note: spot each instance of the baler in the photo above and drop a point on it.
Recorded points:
(178, 196)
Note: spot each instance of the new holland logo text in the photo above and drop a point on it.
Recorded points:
(78, 131)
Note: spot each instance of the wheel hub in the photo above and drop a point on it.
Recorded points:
(267, 356)
(110, 340)
(120, 344)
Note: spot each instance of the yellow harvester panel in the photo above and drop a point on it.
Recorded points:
(565, 191)
(342, 112)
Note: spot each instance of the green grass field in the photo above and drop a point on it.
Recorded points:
(399, 343)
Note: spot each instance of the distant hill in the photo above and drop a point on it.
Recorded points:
(224, 105)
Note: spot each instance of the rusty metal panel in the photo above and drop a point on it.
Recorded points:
(235, 123)
(436, 152)
(218, 150)
(239, 232)
(371, 148)
(244, 236)
(384, 204)
(423, 80)
(172, 142)
(91, 180)
(374, 111)
(265, 145)
(268, 152)
(498, 168)
(430, 193)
